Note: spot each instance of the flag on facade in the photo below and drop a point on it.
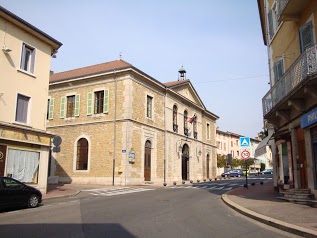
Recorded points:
(190, 120)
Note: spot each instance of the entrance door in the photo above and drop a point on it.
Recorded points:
(3, 156)
(147, 161)
(302, 163)
(207, 166)
(185, 162)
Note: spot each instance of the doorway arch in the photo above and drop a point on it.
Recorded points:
(147, 161)
(185, 162)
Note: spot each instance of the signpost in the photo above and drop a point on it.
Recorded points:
(245, 143)
(245, 154)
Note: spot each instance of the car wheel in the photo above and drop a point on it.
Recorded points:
(33, 201)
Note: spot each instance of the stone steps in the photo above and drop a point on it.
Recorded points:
(302, 196)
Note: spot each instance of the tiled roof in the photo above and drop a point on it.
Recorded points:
(90, 70)
(174, 83)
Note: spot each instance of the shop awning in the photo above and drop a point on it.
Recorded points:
(262, 144)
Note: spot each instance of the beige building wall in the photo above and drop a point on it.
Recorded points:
(29, 136)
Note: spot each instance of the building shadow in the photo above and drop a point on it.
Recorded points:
(111, 230)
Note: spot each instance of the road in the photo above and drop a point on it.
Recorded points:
(181, 211)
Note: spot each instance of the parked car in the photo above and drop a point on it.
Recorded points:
(253, 172)
(233, 173)
(16, 194)
(267, 171)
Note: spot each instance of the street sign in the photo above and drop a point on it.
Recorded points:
(245, 154)
(245, 142)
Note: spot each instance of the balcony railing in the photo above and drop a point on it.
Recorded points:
(304, 66)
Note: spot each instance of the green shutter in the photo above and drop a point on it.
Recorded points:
(106, 101)
(89, 103)
(62, 107)
(51, 109)
(77, 105)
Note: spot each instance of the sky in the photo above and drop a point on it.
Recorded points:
(219, 43)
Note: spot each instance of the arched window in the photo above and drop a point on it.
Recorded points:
(175, 126)
(147, 161)
(82, 154)
(195, 127)
(185, 123)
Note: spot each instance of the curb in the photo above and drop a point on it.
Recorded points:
(294, 229)
(63, 196)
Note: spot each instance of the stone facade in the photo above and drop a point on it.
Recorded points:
(117, 138)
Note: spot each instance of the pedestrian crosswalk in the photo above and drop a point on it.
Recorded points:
(217, 187)
(114, 191)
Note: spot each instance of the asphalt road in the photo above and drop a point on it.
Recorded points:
(190, 210)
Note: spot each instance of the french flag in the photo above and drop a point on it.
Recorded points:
(190, 120)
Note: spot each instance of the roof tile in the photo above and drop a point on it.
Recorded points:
(89, 70)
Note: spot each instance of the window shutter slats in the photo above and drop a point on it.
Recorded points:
(62, 107)
(89, 103)
(306, 36)
(106, 101)
(51, 109)
(77, 105)
(271, 29)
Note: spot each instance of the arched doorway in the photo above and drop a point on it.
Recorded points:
(207, 165)
(147, 161)
(185, 162)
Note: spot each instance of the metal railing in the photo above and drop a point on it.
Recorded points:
(304, 66)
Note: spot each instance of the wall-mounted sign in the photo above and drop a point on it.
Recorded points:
(309, 118)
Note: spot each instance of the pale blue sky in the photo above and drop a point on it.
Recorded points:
(219, 43)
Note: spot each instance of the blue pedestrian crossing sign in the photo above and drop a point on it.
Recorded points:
(245, 142)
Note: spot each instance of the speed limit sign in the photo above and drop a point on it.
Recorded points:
(245, 154)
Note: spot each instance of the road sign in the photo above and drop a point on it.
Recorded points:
(245, 154)
(245, 142)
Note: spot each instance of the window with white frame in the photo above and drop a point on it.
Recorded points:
(149, 102)
(27, 58)
(22, 107)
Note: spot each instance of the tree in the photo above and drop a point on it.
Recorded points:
(236, 162)
(248, 162)
(221, 161)
(262, 134)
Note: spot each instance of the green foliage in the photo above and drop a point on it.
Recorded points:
(236, 162)
(262, 135)
(221, 161)
(262, 166)
(247, 162)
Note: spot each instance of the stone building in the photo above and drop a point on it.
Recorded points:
(25, 57)
(120, 126)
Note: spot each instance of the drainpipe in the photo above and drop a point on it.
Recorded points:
(165, 136)
(114, 128)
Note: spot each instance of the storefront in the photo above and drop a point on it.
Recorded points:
(309, 124)
(24, 155)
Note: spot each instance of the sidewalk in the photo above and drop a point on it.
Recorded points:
(259, 202)
(60, 190)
